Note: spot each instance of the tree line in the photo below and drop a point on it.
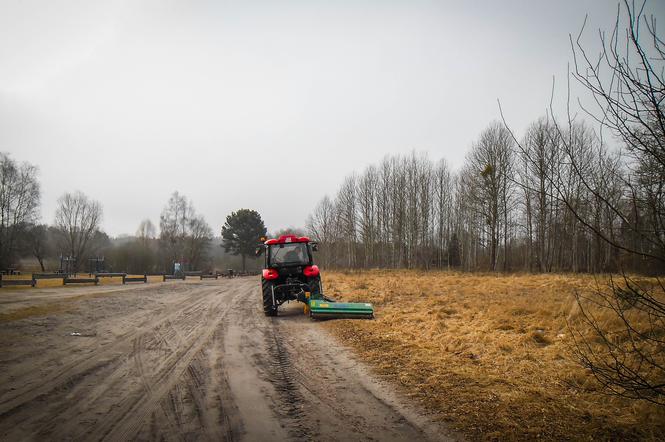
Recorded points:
(75, 240)
(546, 203)
(76, 235)
(555, 199)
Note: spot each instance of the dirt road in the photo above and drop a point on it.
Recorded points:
(183, 361)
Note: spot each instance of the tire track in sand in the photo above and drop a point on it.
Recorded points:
(126, 423)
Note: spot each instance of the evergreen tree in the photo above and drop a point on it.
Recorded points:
(241, 233)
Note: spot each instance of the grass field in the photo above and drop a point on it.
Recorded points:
(490, 354)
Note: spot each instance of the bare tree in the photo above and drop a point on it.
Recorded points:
(367, 214)
(184, 235)
(539, 160)
(384, 209)
(37, 243)
(173, 223)
(77, 219)
(146, 231)
(138, 256)
(443, 192)
(198, 241)
(322, 227)
(398, 223)
(19, 201)
(489, 167)
(348, 217)
(627, 85)
(619, 338)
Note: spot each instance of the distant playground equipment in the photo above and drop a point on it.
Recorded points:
(67, 265)
(96, 265)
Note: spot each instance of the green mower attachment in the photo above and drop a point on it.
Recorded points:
(323, 309)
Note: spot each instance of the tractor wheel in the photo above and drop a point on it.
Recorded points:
(315, 287)
(268, 308)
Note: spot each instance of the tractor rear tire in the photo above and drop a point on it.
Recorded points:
(268, 308)
(315, 287)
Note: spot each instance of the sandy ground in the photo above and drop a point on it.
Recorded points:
(184, 361)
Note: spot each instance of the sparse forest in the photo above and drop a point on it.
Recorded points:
(556, 199)
(540, 206)
(76, 235)
(19, 203)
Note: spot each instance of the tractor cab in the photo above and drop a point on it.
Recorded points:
(290, 251)
(289, 273)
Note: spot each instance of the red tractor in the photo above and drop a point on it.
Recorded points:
(289, 271)
(289, 274)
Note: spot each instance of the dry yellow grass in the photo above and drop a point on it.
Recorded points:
(491, 354)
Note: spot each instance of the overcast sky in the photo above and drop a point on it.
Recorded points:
(263, 105)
